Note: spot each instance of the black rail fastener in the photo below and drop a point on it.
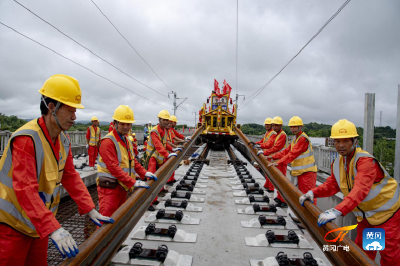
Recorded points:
(258, 208)
(278, 221)
(137, 251)
(187, 187)
(187, 177)
(254, 190)
(291, 238)
(175, 194)
(253, 198)
(183, 204)
(307, 260)
(191, 182)
(167, 232)
(178, 215)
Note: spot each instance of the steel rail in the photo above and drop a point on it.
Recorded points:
(308, 214)
(100, 247)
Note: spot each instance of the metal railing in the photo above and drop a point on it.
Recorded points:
(4, 137)
(308, 214)
(324, 156)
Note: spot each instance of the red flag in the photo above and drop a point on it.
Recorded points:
(183, 129)
(189, 129)
(216, 88)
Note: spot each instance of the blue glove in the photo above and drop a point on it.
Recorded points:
(64, 242)
(177, 149)
(96, 217)
(308, 196)
(328, 216)
(140, 183)
(256, 146)
(172, 154)
(150, 175)
(260, 152)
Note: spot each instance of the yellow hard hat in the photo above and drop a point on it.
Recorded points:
(277, 120)
(124, 114)
(268, 121)
(131, 138)
(94, 119)
(64, 89)
(133, 134)
(343, 129)
(173, 118)
(295, 121)
(164, 114)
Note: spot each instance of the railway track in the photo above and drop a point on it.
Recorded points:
(227, 231)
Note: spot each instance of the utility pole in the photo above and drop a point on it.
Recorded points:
(369, 116)
(397, 149)
(237, 99)
(175, 98)
(195, 120)
(380, 120)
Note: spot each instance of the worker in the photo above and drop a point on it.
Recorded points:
(301, 156)
(169, 134)
(36, 161)
(93, 136)
(111, 127)
(150, 127)
(117, 167)
(371, 193)
(146, 131)
(132, 138)
(279, 145)
(266, 142)
(176, 135)
(157, 150)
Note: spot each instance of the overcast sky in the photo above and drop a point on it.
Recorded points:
(189, 43)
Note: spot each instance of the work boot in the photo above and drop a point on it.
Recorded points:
(156, 202)
(279, 203)
(151, 208)
(171, 182)
(270, 191)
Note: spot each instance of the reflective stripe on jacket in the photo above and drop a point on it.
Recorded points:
(94, 136)
(305, 162)
(151, 150)
(382, 201)
(49, 174)
(276, 140)
(268, 135)
(128, 166)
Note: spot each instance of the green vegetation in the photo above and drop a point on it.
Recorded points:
(10, 123)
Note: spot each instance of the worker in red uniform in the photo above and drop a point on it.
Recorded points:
(369, 192)
(178, 137)
(93, 136)
(279, 145)
(157, 150)
(118, 167)
(266, 142)
(301, 156)
(36, 161)
(111, 127)
(132, 138)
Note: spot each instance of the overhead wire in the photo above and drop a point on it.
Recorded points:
(237, 42)
(104, 60)
(131, 46)
(256, 93)
(82, 66)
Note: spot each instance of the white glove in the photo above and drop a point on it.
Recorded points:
(96, 217)
(328, 216)
(177, 149)
(140, 183)
(256, 146)
(150, 175)
(308, 196)
(87, 146)
(64, 242)
(188, 138)
(172, 154)
(260, 152)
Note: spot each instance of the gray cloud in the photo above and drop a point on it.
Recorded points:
(189, 43)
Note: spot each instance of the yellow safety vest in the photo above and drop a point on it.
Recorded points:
(276, 140)
(94, 136)
(268, 135)
(49, 173)
(382, 201)
(151, 150)
(305, 162)
(123, 158)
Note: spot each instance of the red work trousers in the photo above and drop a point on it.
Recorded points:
(93, 151)
(268, 184)
(307, 181)
(111, 199)
(17, 249)
(390, 256)
(152, 168)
